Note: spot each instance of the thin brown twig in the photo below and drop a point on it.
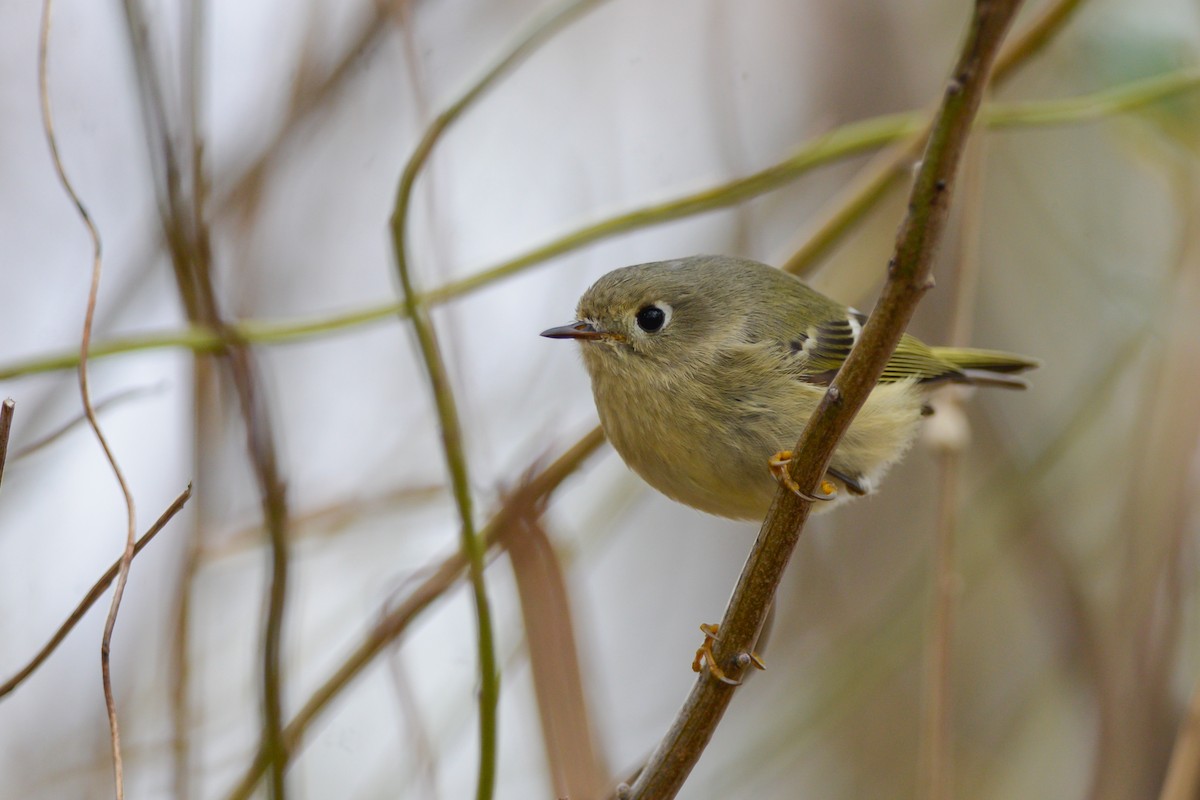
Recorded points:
(92, 596)
(908, 280)
(7, 408)
(395, 622)
(85, 394)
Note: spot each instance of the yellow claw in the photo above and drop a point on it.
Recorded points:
(704, 657)
(778, 465)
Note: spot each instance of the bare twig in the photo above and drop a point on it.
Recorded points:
(445, 575)
(6, 417)
(92, 596)
(85, 394)
(908, 280)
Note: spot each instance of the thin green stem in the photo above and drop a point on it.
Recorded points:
(844, 142)
(474, 547)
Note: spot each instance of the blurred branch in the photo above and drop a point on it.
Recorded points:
(871, 184)
(325, 519)
(576, 767)
(43, 79)
(1142, 631)
(204, 378)
(6, 417)
(950, 436)
(99, 406)
(1087, 108)
(1183, 772)
(92, 596)
(536, 489)
(1029, 42)
(473, 546)
(908, 280)
(314, 86)
(185, 226)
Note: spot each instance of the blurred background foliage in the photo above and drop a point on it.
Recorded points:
(1074, 654)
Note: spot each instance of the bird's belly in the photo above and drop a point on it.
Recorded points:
(718, 463)
(691, 460)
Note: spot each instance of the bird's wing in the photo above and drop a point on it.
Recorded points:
(819, 351)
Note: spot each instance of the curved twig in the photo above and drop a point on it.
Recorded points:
(85, 394)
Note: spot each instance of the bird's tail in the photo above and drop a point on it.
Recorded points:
(988, 367)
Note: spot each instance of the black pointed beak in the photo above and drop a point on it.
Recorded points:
(574, 330)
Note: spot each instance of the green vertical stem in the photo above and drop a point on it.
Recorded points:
(474, 548)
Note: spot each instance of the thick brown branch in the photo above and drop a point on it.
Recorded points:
(908, 279)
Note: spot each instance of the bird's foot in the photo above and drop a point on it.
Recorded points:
(778, 464)
(705, 658)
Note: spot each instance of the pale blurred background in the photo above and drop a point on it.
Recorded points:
(1075, 647)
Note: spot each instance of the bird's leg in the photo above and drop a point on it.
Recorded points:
(778, 464)
(704, 657)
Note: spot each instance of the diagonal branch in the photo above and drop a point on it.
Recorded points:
(908, 280)
(533, 492)
(91, 597)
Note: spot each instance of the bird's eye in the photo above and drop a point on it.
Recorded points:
(651, 318)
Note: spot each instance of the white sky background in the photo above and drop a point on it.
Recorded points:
(635, 102)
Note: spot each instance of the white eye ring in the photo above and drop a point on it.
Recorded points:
(653, 317)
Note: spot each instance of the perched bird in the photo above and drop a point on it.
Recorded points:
(705, 370)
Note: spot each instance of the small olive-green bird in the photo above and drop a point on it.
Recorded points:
(706, 369)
